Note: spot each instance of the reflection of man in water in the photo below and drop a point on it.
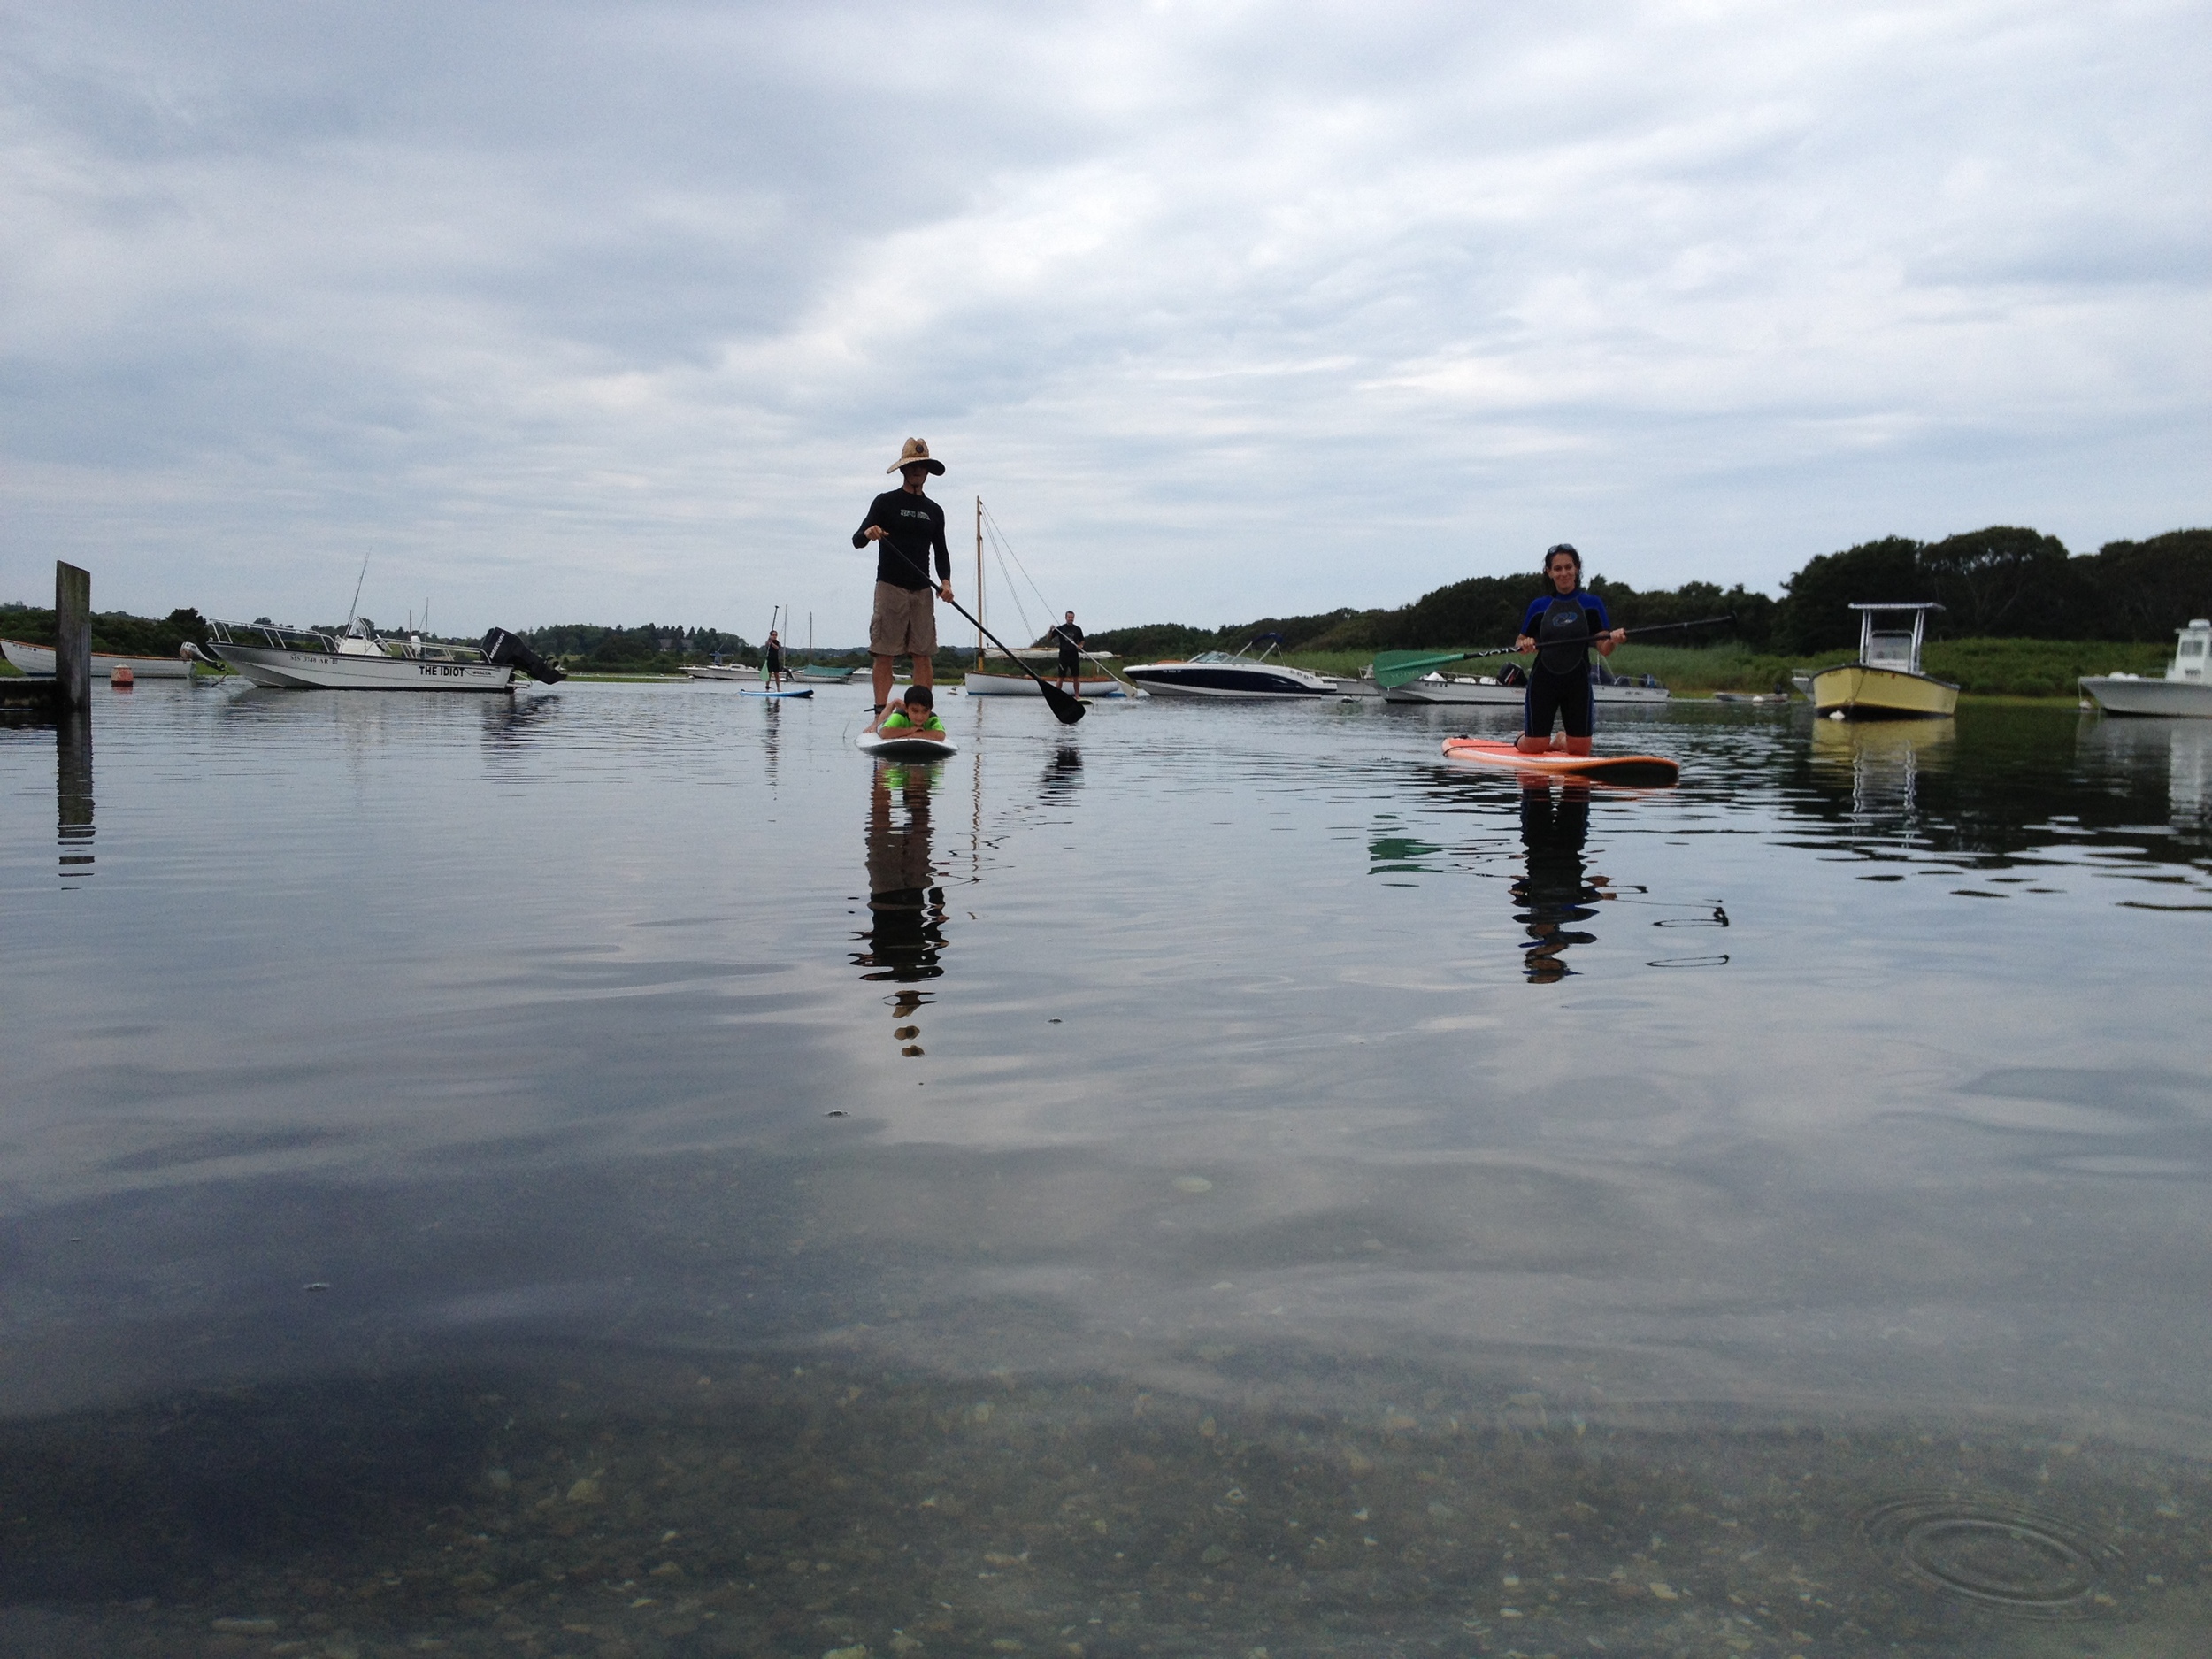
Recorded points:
(906, 911)
(1555, 894)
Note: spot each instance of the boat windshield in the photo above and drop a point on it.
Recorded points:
(1890, 650)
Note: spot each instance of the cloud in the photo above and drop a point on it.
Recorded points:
(617, 312)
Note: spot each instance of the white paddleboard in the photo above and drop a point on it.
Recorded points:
(903, 746)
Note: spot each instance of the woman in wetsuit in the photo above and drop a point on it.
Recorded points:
(1561, 625)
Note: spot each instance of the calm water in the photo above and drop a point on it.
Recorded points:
(617, 1173)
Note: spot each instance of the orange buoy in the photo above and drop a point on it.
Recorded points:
(122, 679)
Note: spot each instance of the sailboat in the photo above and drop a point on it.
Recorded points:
(1009, 680)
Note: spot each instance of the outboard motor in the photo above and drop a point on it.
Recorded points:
(502, 647)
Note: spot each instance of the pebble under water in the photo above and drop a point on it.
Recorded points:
(618, 1173)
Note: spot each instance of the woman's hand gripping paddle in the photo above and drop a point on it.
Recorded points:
(1065, 708)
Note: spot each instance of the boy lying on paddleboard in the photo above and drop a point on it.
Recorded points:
(916, 712)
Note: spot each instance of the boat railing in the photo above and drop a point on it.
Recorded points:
(269, 635)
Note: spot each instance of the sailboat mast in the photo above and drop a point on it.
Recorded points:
(979, 582)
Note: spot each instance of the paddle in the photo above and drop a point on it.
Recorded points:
(1065, 709)
(1396, 668)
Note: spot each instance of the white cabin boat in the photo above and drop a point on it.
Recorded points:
(1605, 686)
(2186, 690)
(305, 659)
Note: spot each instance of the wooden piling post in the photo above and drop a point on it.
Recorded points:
(72, 635)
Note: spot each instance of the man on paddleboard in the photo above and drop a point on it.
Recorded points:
(906, 526)
(1069, 638)
(1562, 623)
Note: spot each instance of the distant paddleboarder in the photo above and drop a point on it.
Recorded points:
(1069, 638)
(772, 660)
(1562, 626)
(907, 526)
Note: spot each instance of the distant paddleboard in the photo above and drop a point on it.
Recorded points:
(1642, 771)
(902, 746)
(803, 691)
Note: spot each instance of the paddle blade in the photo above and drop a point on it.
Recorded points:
(1065, 708)
(1396, 668)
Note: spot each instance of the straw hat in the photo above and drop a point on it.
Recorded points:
(915, 454)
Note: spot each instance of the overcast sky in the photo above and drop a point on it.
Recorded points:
(618, 312)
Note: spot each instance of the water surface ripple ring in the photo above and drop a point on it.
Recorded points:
(2021, 1560)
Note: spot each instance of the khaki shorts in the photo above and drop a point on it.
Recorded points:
(905, 622)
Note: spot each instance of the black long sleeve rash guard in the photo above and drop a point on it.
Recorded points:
(914, 525)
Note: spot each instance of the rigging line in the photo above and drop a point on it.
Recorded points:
(1001, 536)
(1029, 628)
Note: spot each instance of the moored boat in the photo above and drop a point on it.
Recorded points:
(1885, 683)
(997, 675)
(1237, 676)
(1605, 686)
(38, 661)
(307, 659)
(2186, 690)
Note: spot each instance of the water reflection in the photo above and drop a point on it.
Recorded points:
(73, 795)
(1063, 773)
(1881, 761)
(2139, 746)
(906, 906)
(1557, 891)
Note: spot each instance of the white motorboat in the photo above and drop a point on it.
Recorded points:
(1605, 686)
(1237, 675)
(723, 670)
(37, 661)
(2186, 690)
(305, 659)
(1361, 685)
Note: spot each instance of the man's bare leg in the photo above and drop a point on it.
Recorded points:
(879, 677)
(924, 671)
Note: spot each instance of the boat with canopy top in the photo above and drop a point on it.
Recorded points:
(1885, 683)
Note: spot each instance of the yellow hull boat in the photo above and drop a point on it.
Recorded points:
(1885, 683)
(1859, 691)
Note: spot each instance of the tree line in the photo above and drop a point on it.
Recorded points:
(2004, 582)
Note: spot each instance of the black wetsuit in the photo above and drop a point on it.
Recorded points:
(1563, 625)
(1071, 642)
(916, 526)
(772, 659)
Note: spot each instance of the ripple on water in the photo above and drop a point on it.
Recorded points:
(1995, 1553)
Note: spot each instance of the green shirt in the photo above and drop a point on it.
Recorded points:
(901, 722)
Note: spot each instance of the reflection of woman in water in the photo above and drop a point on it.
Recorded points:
(1555, 893)
(906, 911)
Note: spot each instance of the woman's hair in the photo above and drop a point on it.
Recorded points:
(1556, 548)
(921, 694)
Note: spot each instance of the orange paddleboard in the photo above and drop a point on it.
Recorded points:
(1639, 771)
